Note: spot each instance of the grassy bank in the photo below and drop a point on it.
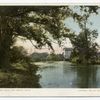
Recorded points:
(20, 75)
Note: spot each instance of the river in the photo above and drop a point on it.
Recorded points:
(63, 74)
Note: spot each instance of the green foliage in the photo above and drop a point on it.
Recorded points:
(17, 54)
(36, 57)
(39, 56)
(43, 20)
(33, 23)
(85, 47)
(38, 23)
(55, 57)
(22, 73)
(22, 77)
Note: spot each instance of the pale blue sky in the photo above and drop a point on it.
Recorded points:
(95, 19)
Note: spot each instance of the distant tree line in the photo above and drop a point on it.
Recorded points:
(36, 57)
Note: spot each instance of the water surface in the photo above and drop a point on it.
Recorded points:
(65, 75)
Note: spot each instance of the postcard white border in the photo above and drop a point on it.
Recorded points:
(57, 2)
(51, 92)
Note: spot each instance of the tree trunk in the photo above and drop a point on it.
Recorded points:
(5, 42)
(4, 52)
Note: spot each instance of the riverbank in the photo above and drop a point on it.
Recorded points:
(55, 74)
(46, 63)
(54, 62)
(19, 76)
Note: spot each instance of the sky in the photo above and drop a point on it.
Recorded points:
(30, 48)
(70, 23)
(95, 19)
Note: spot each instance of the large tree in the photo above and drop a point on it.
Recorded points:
(85, 47)
(36, 23)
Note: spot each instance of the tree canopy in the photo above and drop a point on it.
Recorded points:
(37, 23)
(84, 43)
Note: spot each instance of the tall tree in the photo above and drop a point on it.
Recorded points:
(84, 43)
(32, 22)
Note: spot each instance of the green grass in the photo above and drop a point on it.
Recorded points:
(19, 76)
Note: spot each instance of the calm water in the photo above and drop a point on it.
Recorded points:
(66, 75)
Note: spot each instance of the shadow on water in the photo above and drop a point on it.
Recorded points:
(86, 76)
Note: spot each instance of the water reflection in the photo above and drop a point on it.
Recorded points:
(86, 76)
(66, 75)
(69, 74)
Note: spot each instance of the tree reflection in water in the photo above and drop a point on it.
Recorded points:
(81, 76)
(86, 76)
